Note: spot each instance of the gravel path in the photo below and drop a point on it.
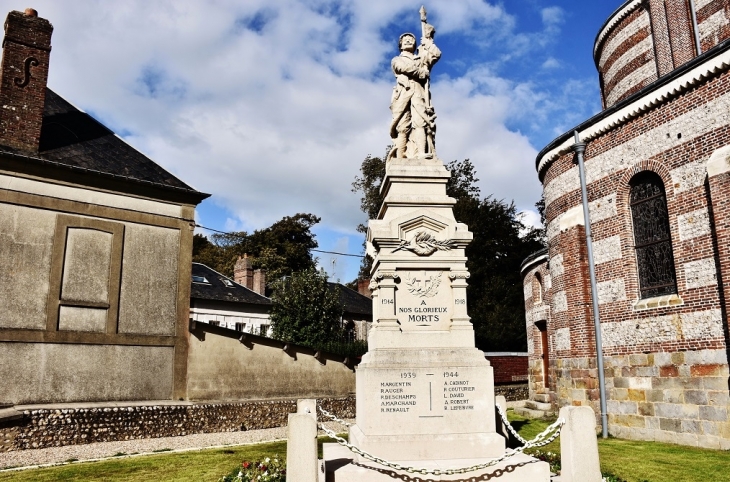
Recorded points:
(102, 450)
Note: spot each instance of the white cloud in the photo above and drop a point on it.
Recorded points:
(271, 106)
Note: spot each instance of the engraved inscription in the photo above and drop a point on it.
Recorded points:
(397, 397)
(458, 393)
(424, 301)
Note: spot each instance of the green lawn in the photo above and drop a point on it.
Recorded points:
(629, 460)
(645, 461)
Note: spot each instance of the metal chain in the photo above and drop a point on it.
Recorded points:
(333, 417)
(509, 427)
(542, 439)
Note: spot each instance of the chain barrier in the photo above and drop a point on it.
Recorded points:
(509, 427)
(540, 440)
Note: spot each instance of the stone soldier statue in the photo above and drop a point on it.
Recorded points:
(413, 127)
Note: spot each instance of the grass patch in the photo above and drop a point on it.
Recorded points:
(625, 460)
(194, 466)
(635, 461)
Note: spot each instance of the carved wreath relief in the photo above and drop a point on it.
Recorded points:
(424, 244)
(423, 286)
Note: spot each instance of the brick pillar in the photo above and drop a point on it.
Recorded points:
(579, 317)
(718, 175)
(680, 31)
(23, 78)
(243, 272)
(660, 33)
(259, 281)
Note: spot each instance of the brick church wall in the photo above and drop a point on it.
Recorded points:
(666, 358)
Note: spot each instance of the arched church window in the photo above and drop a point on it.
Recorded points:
(652, 238)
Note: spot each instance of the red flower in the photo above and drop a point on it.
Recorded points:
(246, 465)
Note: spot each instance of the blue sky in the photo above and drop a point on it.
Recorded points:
(272, 106)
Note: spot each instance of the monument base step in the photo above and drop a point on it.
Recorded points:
(542, 397)
(531, 413)
(340, 466)
(534, 405)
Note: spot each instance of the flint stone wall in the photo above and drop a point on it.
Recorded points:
(55, 427)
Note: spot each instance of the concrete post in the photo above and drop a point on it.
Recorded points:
(579, 446)
(301, 450)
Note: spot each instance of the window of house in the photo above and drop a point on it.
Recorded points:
(199, 279)
(240, 326)
(227, 283)
(215, 323)
(652, 238)
(264, 330)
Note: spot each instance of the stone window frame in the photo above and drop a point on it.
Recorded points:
(64, 222)
(631, 275)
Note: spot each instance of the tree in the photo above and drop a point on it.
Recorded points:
(306, 311)
(501, 242)
(373, 172)
(281, 249)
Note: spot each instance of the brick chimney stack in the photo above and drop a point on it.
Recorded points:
(243, 272)
(259, 281)
(363, 287)
(23, 78)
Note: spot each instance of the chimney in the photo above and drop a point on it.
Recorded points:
(363, 287)
(23, 78)
(243, 272)
(259, 281)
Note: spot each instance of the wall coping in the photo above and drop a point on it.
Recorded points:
(504, 353)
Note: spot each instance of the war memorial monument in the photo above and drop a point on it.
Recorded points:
(425, 393)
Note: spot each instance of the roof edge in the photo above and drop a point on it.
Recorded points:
(28, 164)
(533, 259)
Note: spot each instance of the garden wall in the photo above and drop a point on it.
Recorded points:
(222, 366)
(74, 424)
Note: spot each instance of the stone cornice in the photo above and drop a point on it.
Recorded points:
(620, 14)
(711, 62)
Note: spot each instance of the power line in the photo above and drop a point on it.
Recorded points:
(236, 235)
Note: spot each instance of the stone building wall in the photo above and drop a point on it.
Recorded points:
(44, 427)
(666, 357)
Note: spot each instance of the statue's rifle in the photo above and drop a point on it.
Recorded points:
(424, 57)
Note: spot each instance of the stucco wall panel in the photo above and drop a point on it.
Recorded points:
(86, 267)
(47, 372)
(76, 318)
(26, 245)
(149, 280)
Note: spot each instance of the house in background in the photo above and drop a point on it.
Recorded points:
(241, 303)
(95, 247)
(220, 301)
(357, 316)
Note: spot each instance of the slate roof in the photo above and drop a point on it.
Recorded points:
(73, 139)
(352, 301)
(216, 288)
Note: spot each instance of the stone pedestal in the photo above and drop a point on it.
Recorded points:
(424, 392)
